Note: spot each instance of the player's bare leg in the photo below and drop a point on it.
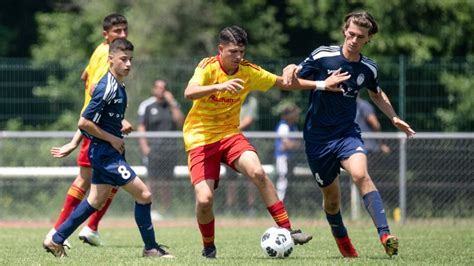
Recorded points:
(331, 205)
(205, 215)
(98, 195)
(356, 165)
(84, 179)
(249, 165)
(204, 200)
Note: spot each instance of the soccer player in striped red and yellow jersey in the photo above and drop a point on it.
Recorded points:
(114, 26)
(211, 129)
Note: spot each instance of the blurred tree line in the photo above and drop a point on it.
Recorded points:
(171, 36)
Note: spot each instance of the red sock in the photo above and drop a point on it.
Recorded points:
(280, 215)
(95, 218)
(74, 196)
(207, 233)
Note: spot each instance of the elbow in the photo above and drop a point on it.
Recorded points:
(194, 91)
(82, 124)
(187, 95)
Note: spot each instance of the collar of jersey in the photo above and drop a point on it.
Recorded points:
(222, 67)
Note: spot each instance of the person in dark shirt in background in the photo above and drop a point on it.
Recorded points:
(160, 112)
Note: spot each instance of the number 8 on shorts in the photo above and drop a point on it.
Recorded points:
(124, 172)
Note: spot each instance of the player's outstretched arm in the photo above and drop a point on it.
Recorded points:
(92, 129)
(290, 73)
(66, 149)
(330, 84)
(383, 103)
(195, 91)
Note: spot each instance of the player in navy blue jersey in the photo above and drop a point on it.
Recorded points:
(101, 122)
(332, 138)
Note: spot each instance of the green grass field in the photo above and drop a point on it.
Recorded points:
(426, 242)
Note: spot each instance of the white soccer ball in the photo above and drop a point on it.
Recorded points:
(277, 242)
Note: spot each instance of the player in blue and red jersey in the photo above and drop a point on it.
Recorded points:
(333, 139)
(101, 122)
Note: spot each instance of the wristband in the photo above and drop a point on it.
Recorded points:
(321, 85)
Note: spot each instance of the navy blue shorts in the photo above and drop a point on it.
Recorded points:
(325, 158)
(108, 165)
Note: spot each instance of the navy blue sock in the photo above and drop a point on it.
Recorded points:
(143, 219)
(77, 217)
(374, 205)
(337, 225)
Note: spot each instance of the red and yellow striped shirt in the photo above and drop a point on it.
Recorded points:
(216, 116)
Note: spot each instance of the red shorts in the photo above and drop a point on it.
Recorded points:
(83, 157)
(204, 161)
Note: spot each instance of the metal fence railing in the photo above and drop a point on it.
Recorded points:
(429, 176)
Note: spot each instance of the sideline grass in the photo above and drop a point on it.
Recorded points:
(421, 243)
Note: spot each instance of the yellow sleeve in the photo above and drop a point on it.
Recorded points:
(261, 79)
(201, 73)
(198, 76)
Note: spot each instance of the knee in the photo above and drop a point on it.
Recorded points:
(146, 197)
(331, 205)
(82, 183)
(205, 204)
(360, 177)
(257, 175)
(96, 203)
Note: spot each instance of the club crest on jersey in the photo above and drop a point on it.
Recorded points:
(360, 79)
